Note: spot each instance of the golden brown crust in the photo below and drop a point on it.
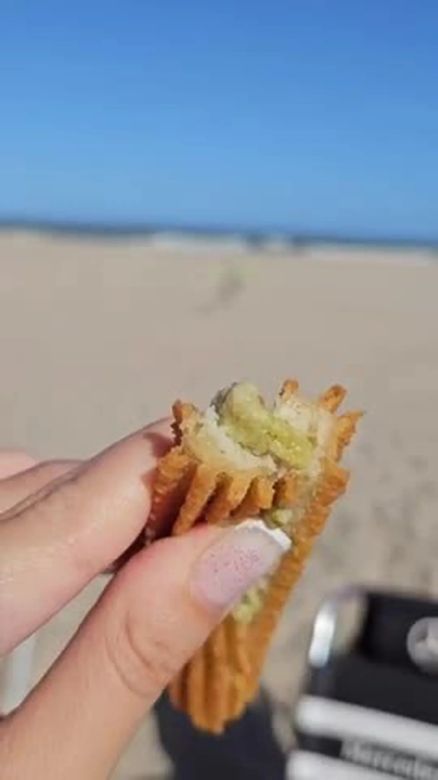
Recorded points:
(200, 490)
(183, 413)
(286, 491)
(218, 687)
(217, 684)
(173, 476)
(346, 426)
(289, 389)
(332, 398)
(228, 497)
(258, 498)
(239, 658)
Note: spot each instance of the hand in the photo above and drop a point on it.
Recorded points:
(63, 523)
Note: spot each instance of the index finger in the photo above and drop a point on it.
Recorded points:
(14, 461)
(53, 546)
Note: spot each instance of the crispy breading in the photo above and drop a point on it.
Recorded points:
(332, 398)
(223, 677)
(289, 388)
(258, 498)
(286, 490)
(240, 661)
(200, 490)
(218, 687)
(173, 476)
(346, 426)
(183, 413)
(229, 495)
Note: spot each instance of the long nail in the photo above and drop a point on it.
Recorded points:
(236, 562)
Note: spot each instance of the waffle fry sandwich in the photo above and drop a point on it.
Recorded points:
(239, 460)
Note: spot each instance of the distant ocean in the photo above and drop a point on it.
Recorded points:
(234, 237)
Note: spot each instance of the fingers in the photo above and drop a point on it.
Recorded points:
(151, 619)
(56, 542)
(14, 461)
(20, 486)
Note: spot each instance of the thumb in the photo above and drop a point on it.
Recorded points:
(154, 615)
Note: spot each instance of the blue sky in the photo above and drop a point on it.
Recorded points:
(317, 115)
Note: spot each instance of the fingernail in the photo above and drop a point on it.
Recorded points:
(236, 562)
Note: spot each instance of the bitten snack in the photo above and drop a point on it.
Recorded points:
(242, 460)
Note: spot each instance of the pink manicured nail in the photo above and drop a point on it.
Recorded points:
(236, 562)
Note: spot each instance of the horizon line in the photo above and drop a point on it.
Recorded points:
(256, 235)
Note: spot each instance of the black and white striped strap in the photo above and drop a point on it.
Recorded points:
(340, 740)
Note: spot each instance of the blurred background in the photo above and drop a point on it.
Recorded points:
(193, 193)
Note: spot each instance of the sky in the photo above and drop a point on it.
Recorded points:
(307, 115)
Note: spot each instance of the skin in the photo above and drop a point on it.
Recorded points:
(62, 523)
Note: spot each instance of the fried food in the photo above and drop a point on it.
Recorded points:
(238, 460)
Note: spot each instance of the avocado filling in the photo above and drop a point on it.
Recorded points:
(245, 418)
(279, 518)
(250, 604)
(242, 414)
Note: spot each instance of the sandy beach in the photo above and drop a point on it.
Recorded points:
(98, 337)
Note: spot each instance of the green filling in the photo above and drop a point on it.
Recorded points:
(244, 416)
(279, 518)
(250, 604)
(247, 420)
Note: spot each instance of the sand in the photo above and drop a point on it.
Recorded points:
(99, 337)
